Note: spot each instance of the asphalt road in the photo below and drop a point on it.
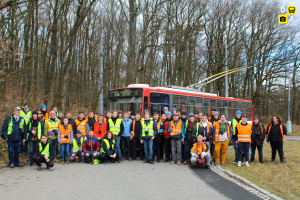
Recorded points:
(126, 180)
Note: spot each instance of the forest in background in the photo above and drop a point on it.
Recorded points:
(68, 52)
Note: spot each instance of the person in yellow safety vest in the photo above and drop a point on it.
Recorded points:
(51, 131)
(81, 125)
(76, 148)
(107, 151)
(115, 126)
(177, 134)
(243, 133)
(14, 130)
(44, 153)
(65, 138)
(221, 140)
(35, 132)
(233, 124)
(200, 150)
(25, 113)
(147, 137)
(276, 135)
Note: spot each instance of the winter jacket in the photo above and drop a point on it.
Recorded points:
(100, 130)
(91, 144)
(275, 132)
(137, 128)
(34, 123)
(257, 137)
(166, 133)
(16, 134)
(191, 132)
(38, 153)
(73, 123)
(90, 124)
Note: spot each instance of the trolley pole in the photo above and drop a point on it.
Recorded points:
(226, 77)
(289, 124)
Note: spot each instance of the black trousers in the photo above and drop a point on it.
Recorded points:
(260, 152)
(167, 143)
(104, 157)
(277, 146)
(156, 144)
(136, 143)
(78, 154)
(125, 145)
(39, 160)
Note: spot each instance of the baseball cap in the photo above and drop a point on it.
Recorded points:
(244, 115)
(255, 116)
(17, 108)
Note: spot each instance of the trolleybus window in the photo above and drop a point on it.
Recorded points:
(206, 110)
(221, 107)
(199, 105)
(180, 103)
(134, 104)
(192, 103)
(158, 101)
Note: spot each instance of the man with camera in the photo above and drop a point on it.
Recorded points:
(64, 138)
(147, 137)
(15, 132)
(51, 131)
(221, 140)
(257, 139)
(44, 153)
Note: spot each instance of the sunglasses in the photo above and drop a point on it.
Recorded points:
(39, 113)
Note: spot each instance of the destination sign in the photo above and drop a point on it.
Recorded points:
(126, 92)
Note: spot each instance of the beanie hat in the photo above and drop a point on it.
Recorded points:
(196, 112)
(238, 112)
(174, 109)
(52, 111)
(168, 113)
(183, 113)
(44, 106)
(34, 113)
(255, 116)
(216, 113)
(166, 108)
(132, 113)
(26, 104)
(191, 115)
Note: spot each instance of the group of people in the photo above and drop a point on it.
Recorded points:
(194, 139)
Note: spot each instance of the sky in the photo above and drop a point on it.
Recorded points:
(293, 3)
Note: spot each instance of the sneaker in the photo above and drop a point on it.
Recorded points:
(145, 161)
(261, 161)
(151, 162)
(47, 167)
(62, 162)
(39, 168)
(11, 165)
(247, 164)
(172, 163)
(118, 161)
(67, 162)
(19, 165)
(283, 161)
(178, 163)
(239, 164)
(56, 160)
(123, 158)
(208, 166)
(273, 160)
(185, 162)
(130, 159)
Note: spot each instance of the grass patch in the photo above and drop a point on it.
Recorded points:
(4, 158)
(295, 130)
(282, 180)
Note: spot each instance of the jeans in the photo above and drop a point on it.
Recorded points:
(24, 147)
(260, 152)
(32, 145)
(207, 159)
(156, 144)
(236, 149)
(125, 145)
(176, 150)
(167, 143)
(136, 143)
(188, 144)
(148, 143)
(54, 146)
(243, 148)
(90, 154)
(64, 150)
(279, 147)
(14, 149)
(117, 147)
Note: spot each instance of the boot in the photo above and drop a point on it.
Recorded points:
(67, 161)
(39, 168)
(56, 160)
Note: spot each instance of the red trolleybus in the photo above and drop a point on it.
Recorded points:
(140, 97)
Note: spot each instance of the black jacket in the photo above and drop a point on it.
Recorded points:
(16, 133)
(74, 127)
(136, 129)
(114, 121)
(190, 133)
(38, 153)
(275, 132)
(257, 137)
(34, 123)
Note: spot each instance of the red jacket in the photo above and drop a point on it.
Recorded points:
(99, 131)
(166, 134)
(91, 144)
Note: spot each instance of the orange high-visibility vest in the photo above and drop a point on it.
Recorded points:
(64, 132)
(176, 129)
(244, 132)
(158, 125)
(207, 128)
(217, 130)
(81, 126)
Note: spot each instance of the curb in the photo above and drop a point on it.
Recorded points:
(248, 183)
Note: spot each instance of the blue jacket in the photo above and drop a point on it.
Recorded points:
(141, 130)
(182, 128)
(16, 134)
(126, 125)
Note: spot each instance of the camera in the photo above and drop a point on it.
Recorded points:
(55, 132)
(146, 132)
(222, 132)
(190, 129)
(66, 136)
(282, 19)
